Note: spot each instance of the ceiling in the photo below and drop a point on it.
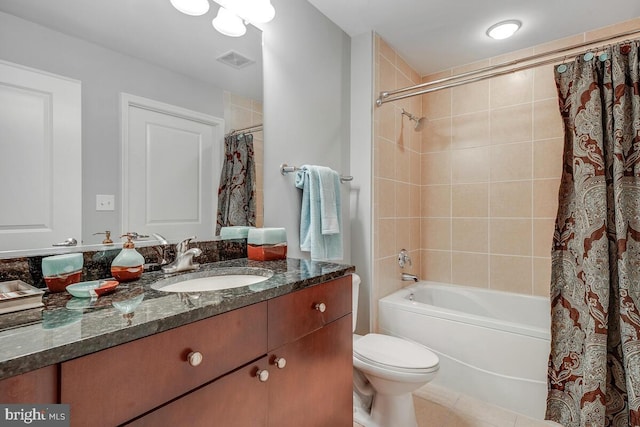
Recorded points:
(154, 31)
(435, 35)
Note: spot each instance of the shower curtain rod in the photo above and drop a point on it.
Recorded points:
(492, 70)
(249, 129)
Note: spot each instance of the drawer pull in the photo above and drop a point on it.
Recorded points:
(263, 375)
(280, 362)
(321, 307)
(194, 358)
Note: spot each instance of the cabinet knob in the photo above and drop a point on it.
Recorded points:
(280, 362)
(263, 375)
(194, 358)
(321, 307)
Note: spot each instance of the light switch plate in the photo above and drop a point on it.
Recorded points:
(105, 202)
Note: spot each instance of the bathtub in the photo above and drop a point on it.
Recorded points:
(492, 345)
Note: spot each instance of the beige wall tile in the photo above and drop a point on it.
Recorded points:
(435, 201)
(512, 56)
(512, 274)
(512, 89)
(386, 122)
(403, 200)
(390, 277)
(387, 233)
(470, 235)
(543, 237)
(470, 98)
(414, 201)
(545, 198)
(510, 237)
(436, 233)
(385, 50)
(470, 165)
(612, 30)
(404, 68)
(415, 165)
(470, 130)
(436, 266)
(385, 159)
(470, 200)
(559, 44)
(547, 122)
(416, 237)
(511, 162)
(541, 276)
(403, 164)
(511, 124)
(510, 199)
(470, 269)
(547, 158)
(544, 84)
(483, 63)
(403, 236)
(386, 198)
(436, 136)
(436, 105)
(436, 168)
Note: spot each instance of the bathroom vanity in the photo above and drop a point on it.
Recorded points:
(278, 353)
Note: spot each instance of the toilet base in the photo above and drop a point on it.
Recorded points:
(388, 411)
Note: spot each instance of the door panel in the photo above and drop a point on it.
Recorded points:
(172, 169)
(40, 158)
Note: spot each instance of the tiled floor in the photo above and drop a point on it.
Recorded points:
(440, 407)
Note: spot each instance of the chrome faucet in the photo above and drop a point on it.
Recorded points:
(409, 277)
(184, 258)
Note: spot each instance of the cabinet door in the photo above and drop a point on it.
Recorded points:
(39, 386)
(237, 399)
(315, 386)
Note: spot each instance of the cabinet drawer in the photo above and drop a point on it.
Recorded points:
(117, 384)
(295, 315)
(237, 399)
(39, 386)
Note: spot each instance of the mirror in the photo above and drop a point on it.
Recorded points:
(144, 48)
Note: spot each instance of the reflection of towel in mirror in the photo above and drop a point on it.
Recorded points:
(320, 216)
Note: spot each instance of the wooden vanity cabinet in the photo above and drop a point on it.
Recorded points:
(115, 385)
(279, 363)
(312, 331)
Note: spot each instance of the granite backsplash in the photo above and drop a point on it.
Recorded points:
(97, 264)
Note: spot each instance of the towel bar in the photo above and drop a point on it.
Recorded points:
(285, 169)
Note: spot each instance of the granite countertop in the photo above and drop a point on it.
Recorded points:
(70, 327)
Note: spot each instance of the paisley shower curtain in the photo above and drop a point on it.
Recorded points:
(237, 193)
(594, 365)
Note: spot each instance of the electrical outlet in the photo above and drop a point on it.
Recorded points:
(105, 202)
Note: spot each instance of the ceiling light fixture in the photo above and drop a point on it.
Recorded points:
(504, 29)
(232, 13)
(228, 23)
(191, 7)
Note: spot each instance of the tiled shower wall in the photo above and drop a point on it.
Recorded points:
(241, 112)
(473, 196)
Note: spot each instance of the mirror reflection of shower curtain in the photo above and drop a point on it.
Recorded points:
(237, 192)
(594, 365)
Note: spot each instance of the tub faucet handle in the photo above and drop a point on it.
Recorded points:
(403, 258)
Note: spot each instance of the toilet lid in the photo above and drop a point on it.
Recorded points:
(393, 351)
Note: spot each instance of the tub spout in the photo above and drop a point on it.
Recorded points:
(409, 277)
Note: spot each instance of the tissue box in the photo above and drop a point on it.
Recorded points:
(59, 271)
(266, 244)
(235, 232)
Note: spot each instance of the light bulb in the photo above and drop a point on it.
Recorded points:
(228, 23)
(504, 29)
(191, 7)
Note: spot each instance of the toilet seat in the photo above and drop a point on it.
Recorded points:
(395, 354)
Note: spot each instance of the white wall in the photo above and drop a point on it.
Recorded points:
(361, 199)
(306, 109)
(104, 74)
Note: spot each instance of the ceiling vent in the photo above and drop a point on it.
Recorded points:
(235, 60)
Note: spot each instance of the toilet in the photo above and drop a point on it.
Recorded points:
(387, 369)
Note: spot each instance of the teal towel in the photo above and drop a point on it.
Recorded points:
(320, 214)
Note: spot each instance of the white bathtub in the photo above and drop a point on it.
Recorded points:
(492, 345)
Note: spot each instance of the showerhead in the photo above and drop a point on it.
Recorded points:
(420, 121)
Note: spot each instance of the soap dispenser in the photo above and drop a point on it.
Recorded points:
(129, 264)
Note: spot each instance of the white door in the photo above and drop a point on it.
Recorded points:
(40, 158)
(171, 164)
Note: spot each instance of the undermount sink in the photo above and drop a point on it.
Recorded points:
(215, 280)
